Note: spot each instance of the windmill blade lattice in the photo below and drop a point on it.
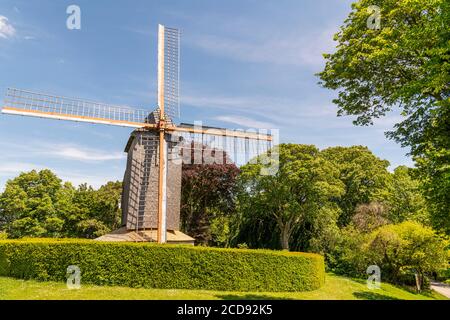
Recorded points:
(171, 71)
(227, 148)
(27, 103)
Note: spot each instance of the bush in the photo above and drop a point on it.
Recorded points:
(403, 252)
(162, 266)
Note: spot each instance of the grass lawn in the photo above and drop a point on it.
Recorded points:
(335, 288)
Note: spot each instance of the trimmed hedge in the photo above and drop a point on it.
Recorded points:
(162, 266)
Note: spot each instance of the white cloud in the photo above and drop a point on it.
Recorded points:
(6, 29)
(77, 153)
(295, 49)
(12, 168)
(79, 178)
(9, 170)
(245, 122)
(62, 150)
(276, 110)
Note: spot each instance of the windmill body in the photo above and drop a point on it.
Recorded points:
(141, 179)
(152, 180)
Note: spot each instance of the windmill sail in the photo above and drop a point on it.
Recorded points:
(27, 103)
(221, 145)
(169, 71)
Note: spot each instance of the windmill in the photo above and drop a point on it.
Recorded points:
(152, 181)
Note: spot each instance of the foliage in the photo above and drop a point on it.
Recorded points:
(162, 266)
(207, 197)
(220, 231)
(408, 247)
(299, 191)
(364, 175)
(353, 185)
(434, 167)
(38, 204)
(405, 200)
(401, 250)
(369, 217)
(405, 65)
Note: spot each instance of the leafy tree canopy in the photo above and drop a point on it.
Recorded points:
(364, 175)
(207, 197)
(404, 65)
(301, 188)
(39, 204)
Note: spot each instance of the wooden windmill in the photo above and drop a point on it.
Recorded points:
(151, 192)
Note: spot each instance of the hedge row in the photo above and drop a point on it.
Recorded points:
(162, 266)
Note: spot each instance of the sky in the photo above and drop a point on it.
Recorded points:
(244, 64)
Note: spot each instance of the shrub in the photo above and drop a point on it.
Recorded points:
(408, 248)
(405, 252)
(162, 266)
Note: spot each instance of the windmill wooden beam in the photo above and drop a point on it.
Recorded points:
(222, 132)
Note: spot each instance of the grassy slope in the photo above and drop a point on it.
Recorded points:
(337, 288)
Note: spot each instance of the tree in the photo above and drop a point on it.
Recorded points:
(27, 205)
(404, 65)
(404, 252)
(38, 204)
(302, 186)
(369, 217)
(207, 194)
(407, 247)
(94, 212)
(434, 168)
(364, 175)
(106, 206)
(405, 199)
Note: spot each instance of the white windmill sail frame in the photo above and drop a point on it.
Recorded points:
(33, 104)
(169, 70)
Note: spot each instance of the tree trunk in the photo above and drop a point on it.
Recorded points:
(419, 281)
(285, 234)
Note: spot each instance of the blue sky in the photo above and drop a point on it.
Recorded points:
(244, 64)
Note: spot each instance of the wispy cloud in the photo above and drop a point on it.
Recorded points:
(245, 122)
(295, 49)
(59, 151)
(275, 110)
(83, 154)
(12, 168)
(77, 179)
(9, 170)
(6, 29)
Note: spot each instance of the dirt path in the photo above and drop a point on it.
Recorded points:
(442, 288)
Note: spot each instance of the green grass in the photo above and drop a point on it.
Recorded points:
(335, 288)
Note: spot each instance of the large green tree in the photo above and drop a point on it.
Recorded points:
(364, 175)
(28, 205)
(407, 247)
(302, 187)
(403, 65)
(405, 199)
(405, 252)
(39, 204)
